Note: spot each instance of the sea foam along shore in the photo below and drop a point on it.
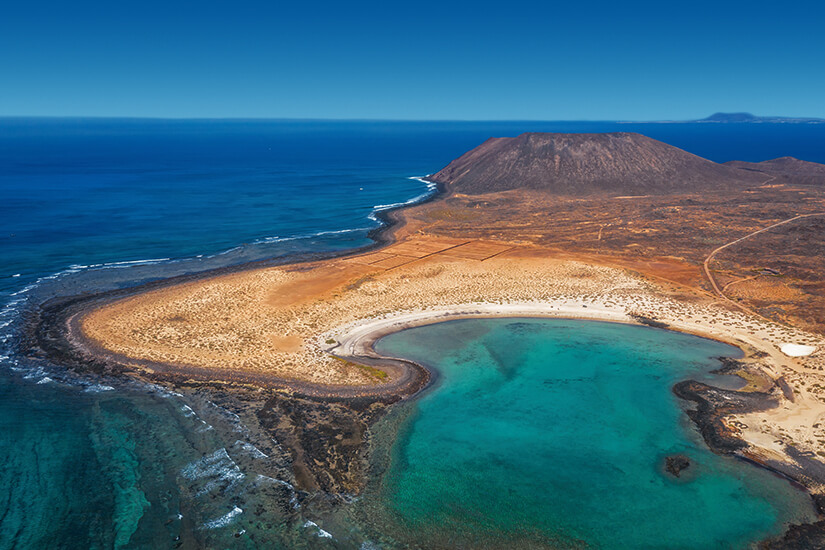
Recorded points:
(432, 190)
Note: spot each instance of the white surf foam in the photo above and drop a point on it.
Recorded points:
(205, 427)
(268, 479)
(268, 240)
(431, 188)
(98, 388)
(224, 520)
(218, 468)
(125, 263)
(293, 500)
(72, 269)
(251, 449)
(320, 532)
(36, 372)
(29, 287)
(231, 418)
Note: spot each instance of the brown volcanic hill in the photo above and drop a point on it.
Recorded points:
(788, 168)
(587, 164)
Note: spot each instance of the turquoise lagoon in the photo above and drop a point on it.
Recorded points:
(554, 433)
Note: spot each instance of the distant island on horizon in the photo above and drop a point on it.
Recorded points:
(744, 118)
(748, 117)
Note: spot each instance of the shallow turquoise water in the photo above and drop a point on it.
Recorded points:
(555, 431)
(135, 467)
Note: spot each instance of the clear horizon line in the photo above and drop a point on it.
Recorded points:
(369, 119)
(308, 119)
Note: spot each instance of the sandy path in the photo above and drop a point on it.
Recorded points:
(706, 263)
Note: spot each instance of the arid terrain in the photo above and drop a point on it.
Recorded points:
(477, 243)
(663, 230)
(276, 321)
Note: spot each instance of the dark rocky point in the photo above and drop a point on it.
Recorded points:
(675, 464)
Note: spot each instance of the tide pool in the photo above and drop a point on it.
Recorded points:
(554, 433)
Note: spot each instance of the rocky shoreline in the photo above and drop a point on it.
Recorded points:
(712, 405)
(324, 433)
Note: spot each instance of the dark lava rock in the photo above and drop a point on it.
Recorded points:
(801, 537)
(649, 321)
(325, 437)
(729, 366)
(713, 404)
(675, 464)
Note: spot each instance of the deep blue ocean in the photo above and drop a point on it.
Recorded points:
(93, 204)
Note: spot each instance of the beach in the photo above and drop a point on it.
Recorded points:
(309, 325)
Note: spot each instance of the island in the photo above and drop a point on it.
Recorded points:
(739, 118)
(615, 227)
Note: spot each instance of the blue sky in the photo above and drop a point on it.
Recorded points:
(594, 60)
